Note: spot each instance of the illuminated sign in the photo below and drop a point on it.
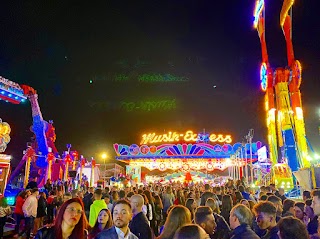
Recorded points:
(257, 12)
(188, 136)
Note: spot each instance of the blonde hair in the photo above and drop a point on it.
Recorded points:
(178, 216)
(213, 204)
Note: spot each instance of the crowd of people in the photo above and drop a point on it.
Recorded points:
(176, 211)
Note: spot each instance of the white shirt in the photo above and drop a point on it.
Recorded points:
(121, 234)
(30, 206)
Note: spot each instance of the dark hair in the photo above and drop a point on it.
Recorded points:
(263, 197)
(227, 203)
(292, 228)
(78, 230)
(189, 231)
(122, 201)
(287, 204)
(130, 194)
(265, 207)
(241, 188)
(316, 193)
(122, 194)
(206, 186)
(309, 202)
(23, 194)
(34, 190)
(306, 193)
(201, 214)
(95, 230)
(274, 199)
(98, 191)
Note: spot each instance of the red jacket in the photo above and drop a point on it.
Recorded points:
(19, 204)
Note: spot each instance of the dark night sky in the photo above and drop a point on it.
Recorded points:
(57, 47)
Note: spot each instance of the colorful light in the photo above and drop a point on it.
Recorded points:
(264, 76)
(287, 4)
(257, 12)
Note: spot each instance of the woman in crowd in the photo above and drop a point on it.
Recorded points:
(180, 200)
(226, 207)
(299, 213)
(167, 200)
(5, 211)
(292, 228)
(69, 224)
(191, 205)
(178, 216)
(41, 212)
(191, 231)
(18, 210)
(158, 213)
(152, 208)
(104, 221)
(222, 229)
(288, 208)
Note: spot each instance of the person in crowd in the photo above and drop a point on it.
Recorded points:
(180, 200)
(70, 223)
(88, 200)
(48, 185)
(152, 207)
(265, 213)
(226, 207)
(282, 194)
(278, 204)
(238, 197)
(205, 219)
(292, 228)
(197, 197)
(103, 222)
(213, 204)
(66, 196)
(50, 207)
(288, 207)
(5, 211)
(96, 206)
(158, 213)
(29, 208)
(41, 212)
(178, 216)
(139, 225)
(106, 198)
(308, 209)
(207, 194)
(74, 193)
(299, 208)
(32, 183)
(122, 215)
(167, 200)
(18, 211)
(240, 221)
(313, 225)
(306, 195)
(191, 205)
(191, 231)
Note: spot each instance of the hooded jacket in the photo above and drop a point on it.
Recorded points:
(95, 208)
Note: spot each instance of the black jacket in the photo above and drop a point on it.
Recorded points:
(49, 233)
(244, 232)
(222, 230)
(139, 226)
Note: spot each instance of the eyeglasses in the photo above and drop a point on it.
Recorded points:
(74, 211)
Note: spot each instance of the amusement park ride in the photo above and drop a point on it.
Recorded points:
(285, 122)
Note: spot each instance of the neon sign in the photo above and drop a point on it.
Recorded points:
(188, 136)
(257, 12)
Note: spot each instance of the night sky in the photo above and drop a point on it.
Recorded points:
(85, 59)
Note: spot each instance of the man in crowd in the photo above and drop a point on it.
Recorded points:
(205, 219)
(32, 184)
(87, 201)
(265, 213)
(139, 224)
(29, 209)
(207, 194)
(97, 205)
(313, 224)
(122, 215)
(278, 204)
(240, 221)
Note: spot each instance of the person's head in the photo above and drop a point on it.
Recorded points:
(115, 196)
(104, 218)
(281, 191)
(23, 194)
(207, 187)
(213, 204)
(299, 210)
(227, 203)
(277, 202)
(191, 231)
(74, 193)
(306, 195)
(263, 197)
(191, 204)
(122, 194)
(292, 228)
(241, 188)
(245, 202)
(35, 192)
(316, 201)
(136, 201)
(288, 206)
(97, 194)
(122, 214)
(67, 196)
(204, 218)
(265, 213)
(71, 215)
(240, 214)
(178, 216)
